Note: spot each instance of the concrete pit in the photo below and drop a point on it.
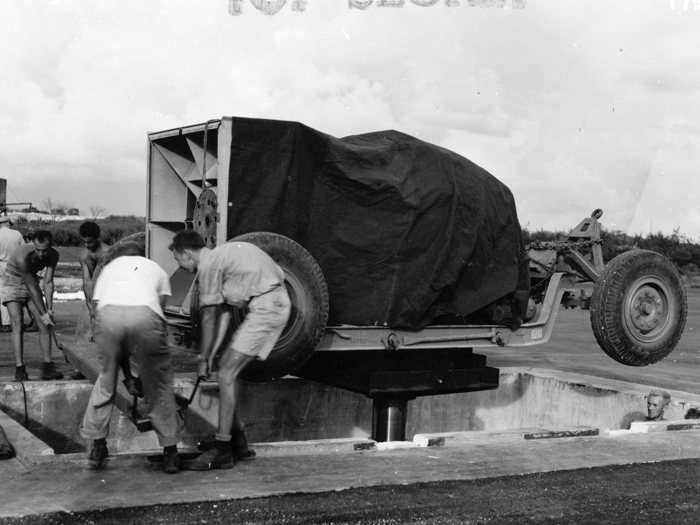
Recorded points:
(293, 410)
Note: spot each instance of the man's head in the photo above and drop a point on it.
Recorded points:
(42, 243)
(90, 232)
(186, 246)
(657, 401)
(5, 221)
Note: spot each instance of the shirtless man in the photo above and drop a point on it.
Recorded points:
(90, 262)
(20, 288)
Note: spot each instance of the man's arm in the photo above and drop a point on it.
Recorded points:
(207, 326)
(48, 287)
(222, 326)
(34, 291)
(88, 284)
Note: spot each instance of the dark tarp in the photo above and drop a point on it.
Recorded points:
(405, 231)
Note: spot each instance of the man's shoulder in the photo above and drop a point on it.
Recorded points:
(10, 234)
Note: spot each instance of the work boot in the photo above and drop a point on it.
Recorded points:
(217, 457)
(21, 373)
(239, 447)
(171, 460)
(48, 371)
(77, 375)
(240, 452)
(98, 454)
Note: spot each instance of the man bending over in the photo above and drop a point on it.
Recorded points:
(130, 292)
(20, 288)
(235, 274)
(90, 259)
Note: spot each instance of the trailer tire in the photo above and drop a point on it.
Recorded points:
(638, 308)
(308, 293)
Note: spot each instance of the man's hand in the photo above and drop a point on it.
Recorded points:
(46, 319)
(202, 367)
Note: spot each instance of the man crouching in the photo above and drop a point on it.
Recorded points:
(235, 274)
(130, 293)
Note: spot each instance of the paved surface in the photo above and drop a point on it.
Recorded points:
(70, 486)
(622, 494)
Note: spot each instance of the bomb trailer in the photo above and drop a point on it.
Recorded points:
(308, 199)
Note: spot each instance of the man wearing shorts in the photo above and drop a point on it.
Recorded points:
(235, 274)
(20, 287)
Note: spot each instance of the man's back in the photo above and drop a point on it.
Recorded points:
(132, 280)
(239, 271)
(10, 240)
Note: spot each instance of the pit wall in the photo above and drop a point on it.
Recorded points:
(296, 409)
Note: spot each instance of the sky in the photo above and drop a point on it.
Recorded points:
(575, 105)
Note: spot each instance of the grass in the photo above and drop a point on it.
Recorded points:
(69, 254)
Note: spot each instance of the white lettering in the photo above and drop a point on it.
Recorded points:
(390, 3)
(424, 3)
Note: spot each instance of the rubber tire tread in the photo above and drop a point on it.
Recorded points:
(293, 258)
(607, 303)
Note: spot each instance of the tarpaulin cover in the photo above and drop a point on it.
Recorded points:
(405, 231)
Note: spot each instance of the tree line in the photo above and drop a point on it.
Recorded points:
(683, 251)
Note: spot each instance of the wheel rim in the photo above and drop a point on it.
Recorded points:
(648, 309)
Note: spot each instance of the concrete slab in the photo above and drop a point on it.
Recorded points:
(128, 483)
(26, 444)
(644, 427)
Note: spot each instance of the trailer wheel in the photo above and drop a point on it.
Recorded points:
(308, 293)
(638, 308)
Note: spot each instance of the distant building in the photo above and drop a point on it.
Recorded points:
(73, 211)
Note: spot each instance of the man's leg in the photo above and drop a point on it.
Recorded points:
(148, 344)
(48, 368)
(15, 310)
(44, 333)
(231, 364)
(220, 455)
(95, 424)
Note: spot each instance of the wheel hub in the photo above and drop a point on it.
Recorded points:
(205, 217)
(648, 311)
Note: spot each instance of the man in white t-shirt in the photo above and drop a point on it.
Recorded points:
(130, 293)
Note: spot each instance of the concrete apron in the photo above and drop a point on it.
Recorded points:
(296, 416)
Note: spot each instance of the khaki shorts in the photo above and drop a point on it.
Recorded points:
(12, 288)
(262, 327)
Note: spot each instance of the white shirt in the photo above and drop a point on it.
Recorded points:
(10, 240)
(131, 280)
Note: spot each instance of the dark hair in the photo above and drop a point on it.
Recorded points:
(89, 229)
(43, 236)
(186, 240)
